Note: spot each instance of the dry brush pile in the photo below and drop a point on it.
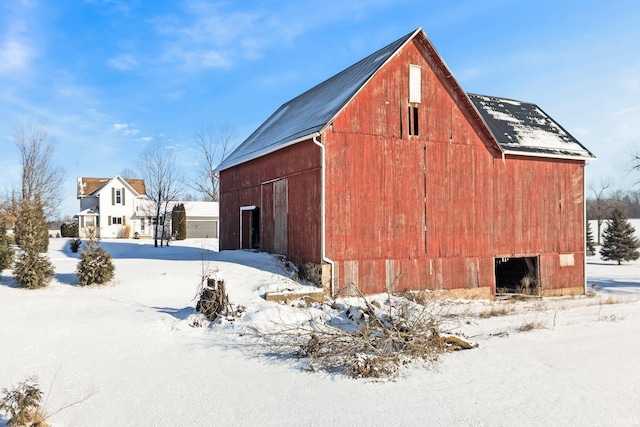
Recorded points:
(363, 338)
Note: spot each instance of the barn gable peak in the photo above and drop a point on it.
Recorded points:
(311, 112)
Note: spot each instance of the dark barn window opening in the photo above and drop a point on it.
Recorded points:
(413, 121)
(518, 275)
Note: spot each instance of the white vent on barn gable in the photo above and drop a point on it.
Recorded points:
(414, 84)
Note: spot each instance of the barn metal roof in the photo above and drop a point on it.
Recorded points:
(523, 128)
(312, 111)
(518, 127)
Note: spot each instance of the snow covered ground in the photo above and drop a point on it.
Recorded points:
(130, 354)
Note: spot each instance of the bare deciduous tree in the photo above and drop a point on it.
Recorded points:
(214, 144)
(635, 160)
(42, 180)
(600, 204)
(158, 167)
(128, 173)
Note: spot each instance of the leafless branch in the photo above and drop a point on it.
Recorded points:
(214, 144)
(158, 167)
(42, 179)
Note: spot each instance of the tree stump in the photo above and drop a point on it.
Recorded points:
(214, 301)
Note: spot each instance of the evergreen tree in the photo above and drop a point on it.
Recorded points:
(6, 251)
(95, 266)
(179, 222)
(32, 270)
(32, 222)
(619, 241)
(591, 248)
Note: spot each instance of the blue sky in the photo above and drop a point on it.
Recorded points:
(108, 75)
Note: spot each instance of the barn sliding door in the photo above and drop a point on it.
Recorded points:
(280, 215)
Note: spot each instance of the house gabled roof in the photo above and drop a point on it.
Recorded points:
(522, 128)
(312, 111)
(92, 186)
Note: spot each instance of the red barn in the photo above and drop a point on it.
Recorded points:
(388, 176)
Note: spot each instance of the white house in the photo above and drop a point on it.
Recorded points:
(119, 208)
(110, 206)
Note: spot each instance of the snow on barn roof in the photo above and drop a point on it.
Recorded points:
(523, 128)
(310, 112)
(516, 127)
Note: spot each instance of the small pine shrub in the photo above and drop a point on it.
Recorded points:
(74, 245)
(31, 227)
(23, 405)
(33, 270)
(95, 266)
(6, 251)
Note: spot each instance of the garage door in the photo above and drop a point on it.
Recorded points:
(204, 228)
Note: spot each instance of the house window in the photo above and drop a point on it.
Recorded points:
(88, 221)
(143, 222)
(117, 196)
(116, 220)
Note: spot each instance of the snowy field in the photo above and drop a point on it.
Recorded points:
(129, 354)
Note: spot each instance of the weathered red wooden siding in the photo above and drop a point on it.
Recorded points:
(433, 211)
(251, 183)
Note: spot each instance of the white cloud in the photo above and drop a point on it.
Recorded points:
(213, 59)
(125, 61)
(126, 129)
(14, 56)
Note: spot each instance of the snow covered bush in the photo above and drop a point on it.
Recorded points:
(95, 266)
(33, 270)
(32, 222)
(69, 229)
(23, 405)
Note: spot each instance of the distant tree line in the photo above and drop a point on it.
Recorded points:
(627, 201)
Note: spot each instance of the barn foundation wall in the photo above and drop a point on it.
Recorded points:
(320, 274)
